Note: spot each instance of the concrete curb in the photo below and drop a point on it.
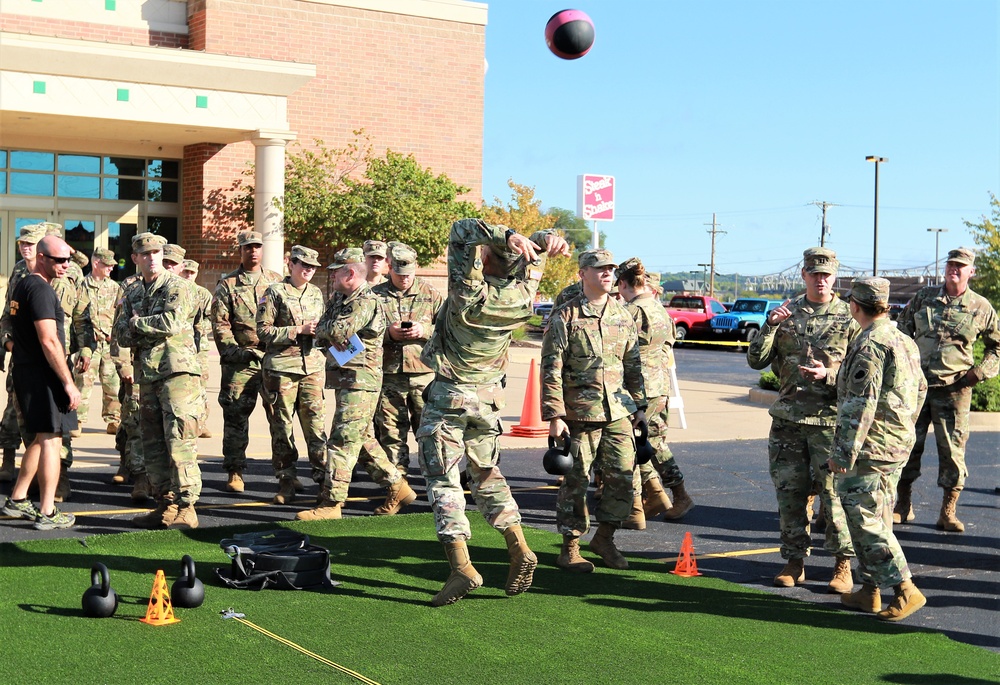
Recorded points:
(978, 420)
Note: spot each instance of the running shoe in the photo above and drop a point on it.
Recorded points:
(58, 519)
(20, 510)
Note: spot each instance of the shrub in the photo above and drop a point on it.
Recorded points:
(769, 381)
(986, 395)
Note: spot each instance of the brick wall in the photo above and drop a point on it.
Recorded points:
(415, 85)
(101, 33)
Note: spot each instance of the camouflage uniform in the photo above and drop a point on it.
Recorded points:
(104, 295)
(202, 327)
(293, 370)
(945, 330)
(468, 353)
(168, 375)
(804, 415)
(128, 441)
(656, 339)
(234, 323)
(592, 376)
(879, 392)
(567, 294)
(357, 384)
(404, 375)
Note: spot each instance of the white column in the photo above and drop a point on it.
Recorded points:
(269, 191)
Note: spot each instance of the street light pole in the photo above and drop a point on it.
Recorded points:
(937, 238)
(877, 160)
(704, 276)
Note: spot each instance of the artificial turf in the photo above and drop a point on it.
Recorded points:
(642, 625)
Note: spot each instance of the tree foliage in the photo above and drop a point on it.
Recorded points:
(574, 229)
(986, 233)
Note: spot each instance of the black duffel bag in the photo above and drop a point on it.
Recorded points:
(282, 559)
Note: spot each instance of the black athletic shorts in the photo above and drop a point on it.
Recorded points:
(41, 401)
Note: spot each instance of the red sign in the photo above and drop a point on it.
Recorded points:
(596, 197)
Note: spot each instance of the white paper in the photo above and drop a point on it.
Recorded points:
(354, 348)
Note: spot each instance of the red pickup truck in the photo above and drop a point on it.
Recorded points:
(692, 314)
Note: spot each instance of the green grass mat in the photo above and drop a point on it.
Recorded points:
(643, 625)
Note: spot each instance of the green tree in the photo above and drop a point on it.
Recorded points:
(986, 233)
(574, 229)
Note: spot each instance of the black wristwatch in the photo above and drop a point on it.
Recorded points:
(508, 234)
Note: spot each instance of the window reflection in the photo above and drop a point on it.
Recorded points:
(161, 191)
(124, 166)
(165, 226)
(80, 164)
(35, 161)
(31, 184)
(123, 189)
(80, 186)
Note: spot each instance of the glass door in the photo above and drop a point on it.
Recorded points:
(80, 231)
(10, 227)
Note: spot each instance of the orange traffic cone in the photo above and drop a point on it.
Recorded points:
(531, 411)
(160, 611)
(686, 565)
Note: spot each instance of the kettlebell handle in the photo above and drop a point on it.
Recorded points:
(99, 576)
(554, 442)
(187, 570)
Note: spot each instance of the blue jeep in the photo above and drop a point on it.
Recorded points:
(744, 320)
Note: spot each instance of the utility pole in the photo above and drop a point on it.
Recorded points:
(714, 231)
(826, 229)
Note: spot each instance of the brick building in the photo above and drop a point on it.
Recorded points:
(119, 116)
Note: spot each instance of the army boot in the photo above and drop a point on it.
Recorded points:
(903, 511)
(286, 492)
(867, 599)
(947, 520)
(185, 518)
(522, 561)
(325, 510)
(793, 572)
(603, 545)
(63, 490)
(7, 470)
(682, 503)
(908, 600)
(636, 518)
(464, 577)
(842, 580)
(570, 559)
(399, 495)
(153, 519)
(235, 482)
(142, 489)
(655, 498)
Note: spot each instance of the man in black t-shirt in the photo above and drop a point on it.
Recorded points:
(44, 391)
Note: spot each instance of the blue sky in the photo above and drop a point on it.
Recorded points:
(754, 110)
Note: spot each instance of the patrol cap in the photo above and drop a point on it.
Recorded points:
(105, 256)
(628, 264)
(31, 234)
(596, 258)
(249, 238)
(349, 255)
(376, 247)
(190, 265)
(653, 281)
(52, 228)
(962, 255)
(820, 260)
(403, 259)
(306, 255)
(173, 253)
(148, 242)
(870, 291)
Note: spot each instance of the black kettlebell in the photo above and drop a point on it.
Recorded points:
(188, 592)
(643, 450)
(557, 462)
(99, 601)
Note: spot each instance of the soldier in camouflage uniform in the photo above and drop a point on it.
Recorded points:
(234, 324)
(202, 327)
(104, 294)
(493, 275)
(293, 369)
(945, 322)
(376, 261)
(354, 315)
(128, 441)
(158, 328)
(656, 339)
(805, 340)
(879, 392)
(567, 294)
(10, 435)
(411, 306)
(593, 389)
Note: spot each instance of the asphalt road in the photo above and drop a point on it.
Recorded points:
(723, 365)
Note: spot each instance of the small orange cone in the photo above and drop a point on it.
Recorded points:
(686, 564)
(160, 611)
(531, 425)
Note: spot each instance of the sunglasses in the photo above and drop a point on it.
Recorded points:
(57, 260)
